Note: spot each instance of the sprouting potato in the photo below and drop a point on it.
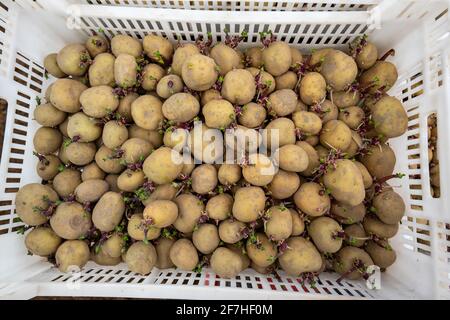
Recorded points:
(380, 77)
(199, 72)
(277, 58)
(181, 54)
(301, 257)
(72, 253)
(48, 116)
(287, 80)
(252, 115)
(169, 85)
(239, 86)
(73, 59)
(180, 107)
(70, 221)
(307, 122)
(42, 241)
(225, 57)
(157, 48)
(96, 45)
(312, 199)
(218, 113)
(48, 168)
(389, 117)
(51, 65)
(47, 140)
(219, 207)
(283, 102)
(336, 134)
(147, 112)
(254, 56)
(312, 88)
(125, 44)
(279, 223)
(226, 263)
(249, 203)
(338, 69)
(284, 184)
(151, 75)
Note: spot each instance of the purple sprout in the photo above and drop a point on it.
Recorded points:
(267, 38)
(202, 45)
(42, 159)
(233, 41)
(328, 163)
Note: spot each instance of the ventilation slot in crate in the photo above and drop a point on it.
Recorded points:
(268, 5)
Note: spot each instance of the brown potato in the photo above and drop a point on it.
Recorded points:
(108, 160)
(230, 231)
(47, 140)
(42, 241)
(136, 150)
(226, 263)
(381, 253)
(238, 87)
(91, 190)
(348, 214)
(157, 48)
(141, 257)
(389, 206)
(151, 75)
(72, 255)
(373, 225)
(381, 76)
(302, 257)
(190, 208)
(218, 113)
(355, 235)
(336, 134)
(312, 88)
(83, 128)
(70, 221)
(163, 165)
(163, 246)
(65, 95)
(367, 56)
(136, 229)
(204, 179)
(125, 71)
(379, 161)
(345, 182)
(66, 181)
(253, 57)
(51, 65)
(287, 80)
(279, 224)
(108, 211)
(283, 102)
(219, 207)
(125, 44)
(206, 238)
(298, 223)
(346, 259)
(338, 69)
(147, 112)
(209, 95)
(161, 213)
(81, 153)
(130, 180)
(352, 116)
(48, 168)
(311, 199)
(313, 158)
(96, 45)
(184, 255)
(252, 115)
(308, 122)
(114, 134)
(73, 59)
(229, 174)
(344, 99)
(249, 203)
(284, 184)
(277, 58)
(181, 107)
(199, 72)
(124, 108)
(181, 54)
(281, 128)
(152, 136)
(225, 57)
(389, 117)
(30, 197)
(92, 171)
(111, 179)
(326, 234)
(98, 101)
(48, 116)
(265, 78)
(169, 85)
(259, 171)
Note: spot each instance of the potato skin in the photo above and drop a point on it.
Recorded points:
(292, 158)
(225, 57)
(254, 56)
(226, 263)
(47, 171)
(206, 238)
(283, 102)
(98, 101)
(151, 75)
(277, 58)
(47, 140)
(336, 134)
(114, 134)
(169, 85)
(313, 158)
(199, 72)
(125, 71)
(238, 86)
(51, 65)
(382, 255)
(230, 231)
(163, 246)
(42, 241)
(345, 259)
(279, 225)
(96, 45)
(70, 221)
(379, 161)
(229, 174)
(81, 153)
(204, 178)
(389, 207)
(163, 165)
(66, 181)
(125, 44)
(136, 226)
(101, 71)
(286, 129)
(338, 69)
(181, 107)
(375, 226)
(157, 48)
(30, 196)
(345, 182)
(262, 254)
(141, 257)
(312, 88)
(287, 80)
(130, 180)
(260, 170)
(82, 127)
(73, 59)
(181, 54)
(218, 113)
(189, 211)
(284, 184)
(106, 162)
(184, 255)
(136, 149)
(147, 112)
(311, 199)
(72, 253)
(384, 71)
(65, 95)
(324, 233)
(48, 116)
(252, 115)
(108, 211)
(91, 190)
(219, 207)
(390, 117)
(162, 213)
(249, 202)
(347, 214)
(303, 257)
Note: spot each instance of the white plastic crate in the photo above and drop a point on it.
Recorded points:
(417, 30)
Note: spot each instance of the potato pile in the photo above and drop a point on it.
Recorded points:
(117, 185)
